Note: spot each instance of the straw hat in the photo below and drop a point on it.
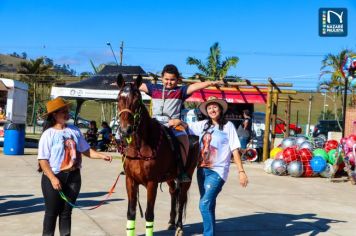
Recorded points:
(222, 103)
(55, 105)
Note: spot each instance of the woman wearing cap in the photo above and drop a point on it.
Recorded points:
(218, 140)
(59, 157)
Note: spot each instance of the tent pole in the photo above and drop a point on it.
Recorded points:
(77, 110)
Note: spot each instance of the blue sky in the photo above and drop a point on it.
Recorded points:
(277, 39)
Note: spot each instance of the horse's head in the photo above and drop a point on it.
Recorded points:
(129, 105)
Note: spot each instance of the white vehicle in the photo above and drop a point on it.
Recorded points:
(190, 115)
(81, 122)
(13, 98)
(15, 94)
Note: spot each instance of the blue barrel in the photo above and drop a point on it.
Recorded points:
(14, 139)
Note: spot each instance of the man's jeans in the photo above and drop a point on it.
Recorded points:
(210, 185)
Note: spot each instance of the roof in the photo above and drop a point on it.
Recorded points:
(127, 70)
(106, 78)
(231, 95)
(10, 84)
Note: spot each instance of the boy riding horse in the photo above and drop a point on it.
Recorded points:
(167, 103)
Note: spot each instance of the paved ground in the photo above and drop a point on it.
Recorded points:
(271, 205)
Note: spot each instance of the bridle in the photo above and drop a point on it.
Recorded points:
(137, 120)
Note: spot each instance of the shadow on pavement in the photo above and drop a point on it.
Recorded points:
(11, 205)
(264, 223)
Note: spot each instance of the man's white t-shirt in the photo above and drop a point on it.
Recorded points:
(52, 146)
(216, 146)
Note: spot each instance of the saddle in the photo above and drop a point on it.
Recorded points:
(174, 143)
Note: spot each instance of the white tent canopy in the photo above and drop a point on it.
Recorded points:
(88, 94)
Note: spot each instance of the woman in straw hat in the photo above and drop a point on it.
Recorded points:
(218, 140)
(59, 156)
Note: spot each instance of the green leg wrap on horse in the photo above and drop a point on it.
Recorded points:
(130, 228)
(149, 228)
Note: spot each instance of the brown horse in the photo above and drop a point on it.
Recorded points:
(149, 159)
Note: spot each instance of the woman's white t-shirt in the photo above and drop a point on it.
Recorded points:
(216, 146)
(52, 146)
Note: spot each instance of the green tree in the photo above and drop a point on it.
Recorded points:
(34, 72)
(329, 115)
(331, 73)
(85, 75)
(213, 68)
(331, 70)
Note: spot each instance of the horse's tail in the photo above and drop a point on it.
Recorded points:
(183, 189)
(181, 195)
(185, 203)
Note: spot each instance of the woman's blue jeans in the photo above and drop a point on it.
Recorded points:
(210, 185)
(244, 142)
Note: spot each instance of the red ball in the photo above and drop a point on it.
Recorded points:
(308, 171)
(351, 157)
(352, 136)
(350, 143)
(305, 155)
(343, 141)
(331, 144)
(290, 154)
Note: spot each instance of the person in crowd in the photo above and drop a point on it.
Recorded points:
(92, 134)
(2, 114)
(218, 142)
(245, 129)
(59, 156)
(106, 134)
(167, 103)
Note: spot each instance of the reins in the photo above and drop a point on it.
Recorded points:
(111, 190)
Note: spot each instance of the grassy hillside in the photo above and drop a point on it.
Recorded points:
(9, 62)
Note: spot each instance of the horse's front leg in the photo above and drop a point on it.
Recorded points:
(131, 189)
(151, 199)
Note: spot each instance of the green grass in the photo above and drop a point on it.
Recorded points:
(302, 107)
(33, 136)
(92, 110)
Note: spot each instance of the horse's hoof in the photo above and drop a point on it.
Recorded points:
(179, 232)
(171, 227)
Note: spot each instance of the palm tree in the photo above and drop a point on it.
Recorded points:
(34, 71)
(332, 68)
(214, 68)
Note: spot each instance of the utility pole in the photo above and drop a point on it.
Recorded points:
(266, 146)
(121, 52)
(288, 109)
(109, 44)
(344, 105)
(309, 114)
(324, 106)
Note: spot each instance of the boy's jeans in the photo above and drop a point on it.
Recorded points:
(210, 185)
